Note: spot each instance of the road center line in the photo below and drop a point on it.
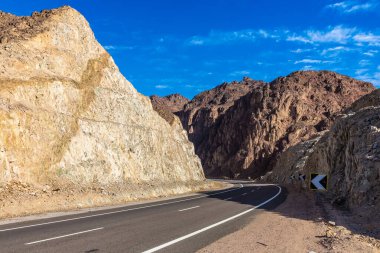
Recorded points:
(162, 246)
(188, 208)
(62, 236)
(119, 211)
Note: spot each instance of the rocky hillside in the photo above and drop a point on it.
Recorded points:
(203, 111)
(275, 117)
(239, 129)
(68, 116)
(172, 103)
(350, 154)
(168, 105)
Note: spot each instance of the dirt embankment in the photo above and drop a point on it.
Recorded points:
(22, 199)
(303, 223)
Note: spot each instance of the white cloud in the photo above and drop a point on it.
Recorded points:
(113, 47)
(371, 53)
(240, 73)
(307, 61)
(307, 67)
(340, 35)
(161, 86)
(360, 71)
(269, 34)
(196, 41)
(368, 38)
(299, 51)
(364, 62)
(312, 61)
(334, 51)
(337, 34)
(223, 37)
(348, 7)
(374, 79)
(298, 38)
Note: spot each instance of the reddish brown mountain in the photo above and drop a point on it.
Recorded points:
(240, 128)
(245, 142)
(172, 103)
(203, 111)
(166, 106)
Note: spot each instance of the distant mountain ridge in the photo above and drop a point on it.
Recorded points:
(239, 129)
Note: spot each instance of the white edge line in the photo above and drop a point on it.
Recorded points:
(188, 208)
(62, 236)
(119, 211)
(211, 226)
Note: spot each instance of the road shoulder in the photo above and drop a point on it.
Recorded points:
(297, 225)
(51, 204)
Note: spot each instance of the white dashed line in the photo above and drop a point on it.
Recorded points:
(62, 236)
(188, 208)
(119, 211)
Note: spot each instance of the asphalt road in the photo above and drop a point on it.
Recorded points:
(178, 225)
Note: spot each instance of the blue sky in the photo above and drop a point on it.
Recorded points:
(172, 46)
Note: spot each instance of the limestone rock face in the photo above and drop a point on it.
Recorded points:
(350, 154)
(68, 115)
(246, 139)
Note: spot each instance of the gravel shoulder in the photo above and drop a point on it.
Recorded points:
(20, 201)
(300, 224)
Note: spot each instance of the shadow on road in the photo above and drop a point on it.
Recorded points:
(306, 205)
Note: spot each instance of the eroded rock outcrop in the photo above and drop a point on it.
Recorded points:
(245, 138)
(167, 106)
(203, 111)
(68, 116)
(172, 103)
(350, 154)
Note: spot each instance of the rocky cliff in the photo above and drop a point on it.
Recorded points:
(172, 103)
(239, 129)
(350, 154)
(202, 113)
(68, 116)
(168, 105)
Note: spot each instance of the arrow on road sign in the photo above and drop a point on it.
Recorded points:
(318, 182)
